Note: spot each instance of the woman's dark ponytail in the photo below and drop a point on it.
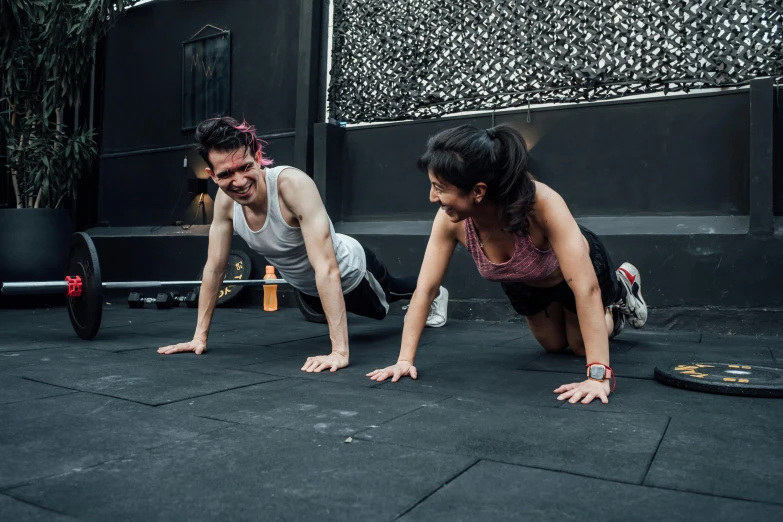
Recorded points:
(514, 190)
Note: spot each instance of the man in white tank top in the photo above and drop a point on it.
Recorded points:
(279, 213)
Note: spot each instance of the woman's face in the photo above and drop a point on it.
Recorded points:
(458, 205)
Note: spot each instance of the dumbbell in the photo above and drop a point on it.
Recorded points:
(163, 301)
(137, 300)
(190, 300)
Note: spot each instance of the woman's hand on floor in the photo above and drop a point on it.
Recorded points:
(401, 369)
(585, 390)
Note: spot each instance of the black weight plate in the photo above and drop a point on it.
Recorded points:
(238, 266)
(725, 378)
(85, 311)
(308, 312)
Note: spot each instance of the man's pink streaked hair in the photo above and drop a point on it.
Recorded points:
(226, 134)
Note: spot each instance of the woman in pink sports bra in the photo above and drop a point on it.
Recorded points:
(520, 232)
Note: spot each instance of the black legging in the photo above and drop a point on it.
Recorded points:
(365, 300)
(395, 288)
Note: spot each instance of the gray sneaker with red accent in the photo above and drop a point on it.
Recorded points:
(632, 305)
(619, 321)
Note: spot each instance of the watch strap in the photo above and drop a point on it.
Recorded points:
(608, 375)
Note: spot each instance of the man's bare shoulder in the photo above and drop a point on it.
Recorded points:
(224, 207)
(291, 179)
(296, 188)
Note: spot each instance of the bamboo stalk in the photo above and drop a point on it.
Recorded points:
(16, 190)
(14, 181)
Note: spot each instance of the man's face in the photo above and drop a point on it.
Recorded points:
(237, 173)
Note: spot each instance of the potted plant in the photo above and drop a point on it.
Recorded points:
(47, 50)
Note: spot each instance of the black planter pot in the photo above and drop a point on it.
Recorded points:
(34, 245)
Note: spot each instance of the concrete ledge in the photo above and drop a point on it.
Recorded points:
(195, 230)
(685, 261)
(601, 225)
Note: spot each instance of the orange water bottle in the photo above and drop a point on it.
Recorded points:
(270, 291)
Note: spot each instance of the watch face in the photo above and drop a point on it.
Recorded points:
(597, 372)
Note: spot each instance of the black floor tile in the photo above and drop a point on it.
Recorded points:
(247, 474)
(62, 434)
(141, 380)
(485, 382)
(722, 457)
(16, 389)
(306, 406)
(499, 492)
(16, 363)
(15, 510)
(604, 445)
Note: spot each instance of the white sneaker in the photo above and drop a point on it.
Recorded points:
(437, 316)
(633, 306)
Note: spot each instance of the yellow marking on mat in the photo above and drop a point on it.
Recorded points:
(746, 367)
(743, 380)
(705, 366)
(683, 367)
(734, 366)
(699, 375)
(729, 379)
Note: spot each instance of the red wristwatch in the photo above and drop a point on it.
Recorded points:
(599, 372)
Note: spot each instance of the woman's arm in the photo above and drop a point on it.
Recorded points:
(573, 255)
(440, 248)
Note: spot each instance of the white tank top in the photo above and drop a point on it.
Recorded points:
(284, 248)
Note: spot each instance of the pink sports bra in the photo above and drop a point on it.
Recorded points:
(527, 264)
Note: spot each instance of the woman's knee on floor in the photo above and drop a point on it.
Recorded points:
(553, 344)
(549, 329)
(574, 333)
(577, 346)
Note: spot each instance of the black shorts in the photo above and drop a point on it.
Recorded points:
(529, 300)
(371, 297)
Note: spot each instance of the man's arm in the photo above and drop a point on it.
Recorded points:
(301, 197)
(220, 233)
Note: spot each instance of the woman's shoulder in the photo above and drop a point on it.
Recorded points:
(444, 226)
(541, 187)
(545, 195)
(548, 205)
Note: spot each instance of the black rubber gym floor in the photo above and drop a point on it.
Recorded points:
(110, 430)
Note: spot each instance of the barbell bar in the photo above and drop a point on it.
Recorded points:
(84, 288)
(45, 287)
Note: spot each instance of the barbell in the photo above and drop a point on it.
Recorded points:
(84, 288)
